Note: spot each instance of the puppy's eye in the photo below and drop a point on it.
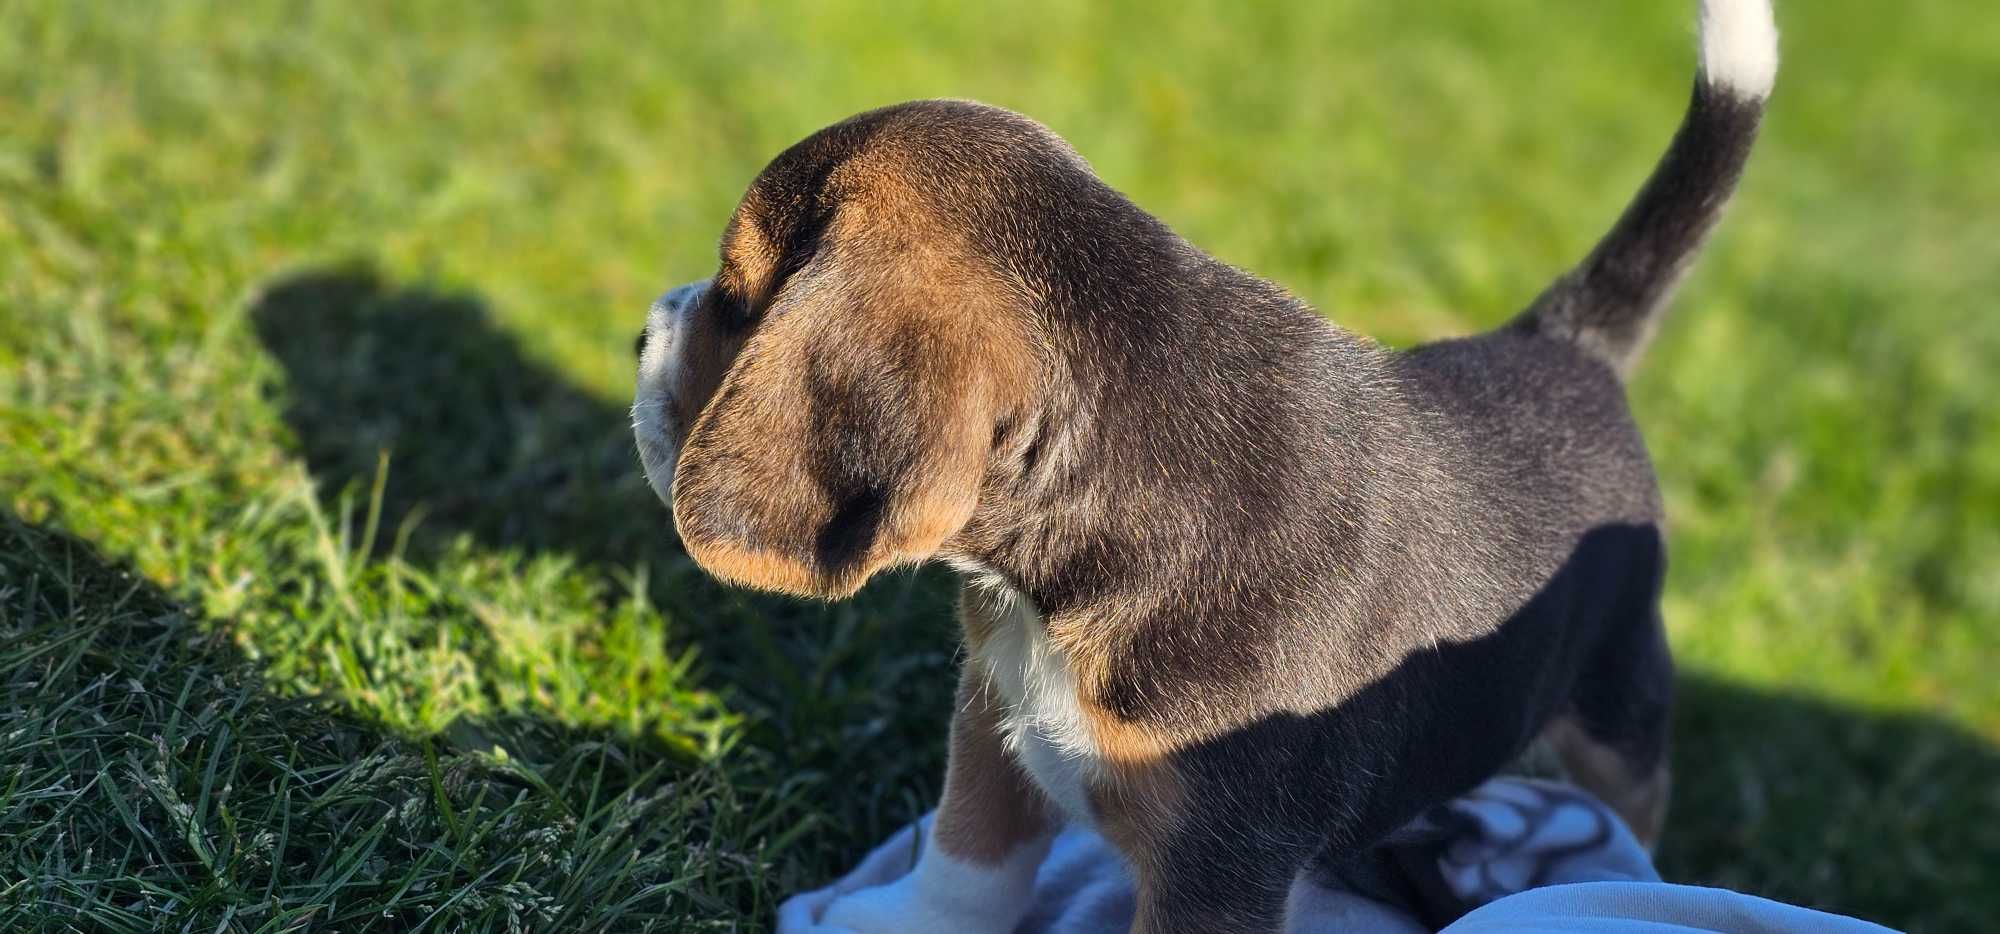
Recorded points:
(639, 345)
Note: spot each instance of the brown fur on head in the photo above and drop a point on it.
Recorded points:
(826, 405)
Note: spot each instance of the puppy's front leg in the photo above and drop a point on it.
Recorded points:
(1213, 850)
(1213, 885)
(976, 871)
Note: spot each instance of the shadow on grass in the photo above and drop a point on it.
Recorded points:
(484, 440)
(481, 437)
(149, 781)
(1894, 817)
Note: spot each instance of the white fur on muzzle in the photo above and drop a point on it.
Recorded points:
(654, 425)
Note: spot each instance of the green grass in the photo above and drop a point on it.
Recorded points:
(330, 596)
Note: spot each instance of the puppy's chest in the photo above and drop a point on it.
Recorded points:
(1042, 721)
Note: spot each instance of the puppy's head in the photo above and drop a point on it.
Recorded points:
(826, 405)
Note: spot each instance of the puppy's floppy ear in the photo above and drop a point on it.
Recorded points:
(851, 433)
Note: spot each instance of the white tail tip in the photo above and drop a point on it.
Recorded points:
(1739, 46)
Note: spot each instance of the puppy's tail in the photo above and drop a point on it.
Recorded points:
(1609, 304)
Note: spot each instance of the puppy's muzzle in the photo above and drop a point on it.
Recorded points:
(656, 420)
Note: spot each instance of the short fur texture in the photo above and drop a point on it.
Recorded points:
(1246, 590)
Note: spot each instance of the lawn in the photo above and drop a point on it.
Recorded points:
(331, 597)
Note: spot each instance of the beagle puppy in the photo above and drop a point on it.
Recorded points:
(1244, 591)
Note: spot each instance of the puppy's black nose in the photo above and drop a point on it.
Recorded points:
(639, 344)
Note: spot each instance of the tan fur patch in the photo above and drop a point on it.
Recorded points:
(1122, 742)
(767, 570)
(1640, 800)
(749, 259)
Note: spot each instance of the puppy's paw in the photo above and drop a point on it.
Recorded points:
(908, 907)
(899, 889)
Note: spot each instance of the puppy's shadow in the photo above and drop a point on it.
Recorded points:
(1890, 815)
(480, 437)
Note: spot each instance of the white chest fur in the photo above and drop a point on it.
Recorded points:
(1044, 725)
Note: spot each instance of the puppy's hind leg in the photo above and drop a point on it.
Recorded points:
(1613, 739)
